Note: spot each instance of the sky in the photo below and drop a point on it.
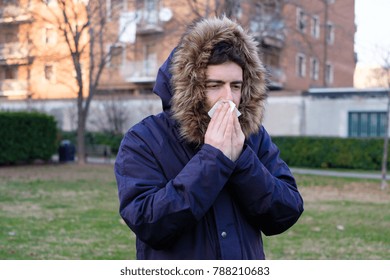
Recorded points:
(372, 18)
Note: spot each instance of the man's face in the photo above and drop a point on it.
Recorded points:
(224, 82)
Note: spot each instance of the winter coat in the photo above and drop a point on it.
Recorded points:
(185, 199)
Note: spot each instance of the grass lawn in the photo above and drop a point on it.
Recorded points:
(71, 212)
(343, 219)
(61, 212)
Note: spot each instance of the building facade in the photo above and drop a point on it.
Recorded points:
(15, 51)
(35, 61)
(303, 43)
(319, 47)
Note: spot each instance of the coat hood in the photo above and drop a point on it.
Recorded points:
(181, 79)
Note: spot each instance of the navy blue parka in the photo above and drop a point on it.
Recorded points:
(189, 201)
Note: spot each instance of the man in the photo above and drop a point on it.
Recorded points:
(195, 187)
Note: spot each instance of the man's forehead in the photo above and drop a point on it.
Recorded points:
(226, 72)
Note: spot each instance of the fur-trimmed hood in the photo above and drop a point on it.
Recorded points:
(181, 80)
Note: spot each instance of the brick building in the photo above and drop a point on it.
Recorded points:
(304, 44)
(34, 60)
(15, 56)
(319, 46)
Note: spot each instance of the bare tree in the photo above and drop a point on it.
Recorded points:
(383, 77)
(86, 27)
(117, 115)
(111, 116)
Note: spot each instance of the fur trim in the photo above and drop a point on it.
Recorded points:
(189, 76)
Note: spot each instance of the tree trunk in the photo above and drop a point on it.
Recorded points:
(386, 145)
(81, 123)
(384, 164)
(81, 145)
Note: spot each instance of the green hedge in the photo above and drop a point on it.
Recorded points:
(26, 137)
(311, 152)
(327, 152)
(95, 138)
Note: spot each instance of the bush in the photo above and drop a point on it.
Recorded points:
(328, 152)
(312, 152)
(95, 138)
(26, 137)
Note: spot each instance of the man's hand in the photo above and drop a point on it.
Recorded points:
(224, 132)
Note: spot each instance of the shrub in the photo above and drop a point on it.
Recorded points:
(329, 152)
(26, 137)
(95, 138)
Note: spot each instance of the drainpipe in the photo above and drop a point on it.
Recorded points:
(325, 84)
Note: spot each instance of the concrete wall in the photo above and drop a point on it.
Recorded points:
(65, 111)
(316, 116)
(284, 116)
(329, 117)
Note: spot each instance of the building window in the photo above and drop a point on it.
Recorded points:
(8, 2)
(315, 27)
(50, 36)
(150, 61)
(301, 20)
(151, 9)
(50, 2)
(271, 56)
(328, 74)
(49, 72)
(366, 124)
(315, 68)
(11, 72)
(113, 7)
(301, 65)
(11, 37)
(329, 33)
(8, 72)
(116, 53)
(108, 9)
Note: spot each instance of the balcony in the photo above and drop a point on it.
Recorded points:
(277, 77)
(140, 71)
(13, 50)
(273, 39)
(270, 32)
(13, 88)
(148, 22)
(14, 14)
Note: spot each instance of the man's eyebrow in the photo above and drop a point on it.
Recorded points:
(215, 81)
(222, 82)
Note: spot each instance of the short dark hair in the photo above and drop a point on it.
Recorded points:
(224, 52)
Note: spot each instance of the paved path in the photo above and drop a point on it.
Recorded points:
(323, 172)
(348, 174)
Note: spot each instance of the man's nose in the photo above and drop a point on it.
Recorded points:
(227, 92)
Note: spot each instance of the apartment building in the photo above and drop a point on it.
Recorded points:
(35, 62)
(319, 46)
(15, 56)
(304, 44)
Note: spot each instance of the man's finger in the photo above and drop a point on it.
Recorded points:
(219, 118)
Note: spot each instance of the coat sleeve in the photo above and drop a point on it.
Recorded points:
(265, 188)
(156, 208)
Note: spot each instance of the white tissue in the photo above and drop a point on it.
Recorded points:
(232, 108)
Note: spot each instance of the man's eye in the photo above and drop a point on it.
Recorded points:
(236, 87)
(212, 86)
